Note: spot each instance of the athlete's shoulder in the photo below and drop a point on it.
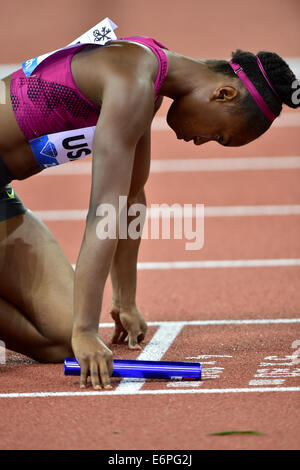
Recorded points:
(122, 59)
(146, 40)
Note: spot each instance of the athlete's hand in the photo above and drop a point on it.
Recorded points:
(129, 326)
(93, 356)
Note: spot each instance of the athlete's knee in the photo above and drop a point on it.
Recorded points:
(57, 345)
(54, 353)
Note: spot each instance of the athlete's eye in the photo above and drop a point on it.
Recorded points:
(220, 139)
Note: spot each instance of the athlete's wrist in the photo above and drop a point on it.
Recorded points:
(81, 329)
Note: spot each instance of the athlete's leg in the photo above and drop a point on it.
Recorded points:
(20, 335)
(36, 290)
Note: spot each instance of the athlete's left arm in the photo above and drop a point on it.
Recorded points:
(129, 323)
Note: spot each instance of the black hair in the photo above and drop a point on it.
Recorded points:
(279, 74)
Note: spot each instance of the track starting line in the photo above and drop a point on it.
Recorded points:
(159, 344)
(149, 392)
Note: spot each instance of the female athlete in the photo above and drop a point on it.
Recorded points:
(47, 311)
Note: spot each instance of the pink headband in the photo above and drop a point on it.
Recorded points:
(252, 90)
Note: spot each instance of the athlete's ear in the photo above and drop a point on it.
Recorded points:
(224, 93)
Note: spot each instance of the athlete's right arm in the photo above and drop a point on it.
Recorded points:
(127, 109)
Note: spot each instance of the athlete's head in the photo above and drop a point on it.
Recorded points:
(224, 110)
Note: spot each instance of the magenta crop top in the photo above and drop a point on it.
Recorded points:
(49, 100)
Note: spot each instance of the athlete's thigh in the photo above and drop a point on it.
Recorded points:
(35, 275)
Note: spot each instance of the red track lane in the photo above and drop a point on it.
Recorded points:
(198, 30)
(278, 141)
(211, 188)
(242, 238)
(159, 422)
(204, 294)
(226, 188)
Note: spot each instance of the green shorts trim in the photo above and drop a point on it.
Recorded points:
(10, 203)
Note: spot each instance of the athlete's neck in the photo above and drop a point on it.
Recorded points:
(184, 75)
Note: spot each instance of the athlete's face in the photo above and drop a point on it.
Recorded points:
(201, 118)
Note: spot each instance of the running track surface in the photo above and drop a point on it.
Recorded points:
(237, 314)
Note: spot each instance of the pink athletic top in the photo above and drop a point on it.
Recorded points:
(49, 100)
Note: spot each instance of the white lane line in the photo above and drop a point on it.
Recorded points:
(239, 263)
(150, 392)
(246, 211)
(154, 351)
(190, 165)
(264, 321)
(61, 215)
(166, 213)
(250, 263)
(224, 164)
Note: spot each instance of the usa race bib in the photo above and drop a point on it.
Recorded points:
(62, 147)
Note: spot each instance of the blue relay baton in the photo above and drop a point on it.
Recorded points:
(145, 369)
